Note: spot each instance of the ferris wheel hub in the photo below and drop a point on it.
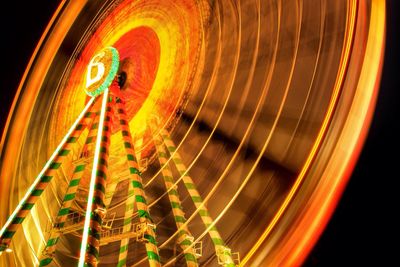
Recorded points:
(101, 71)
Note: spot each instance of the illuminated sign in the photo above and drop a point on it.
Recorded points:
(101, 71)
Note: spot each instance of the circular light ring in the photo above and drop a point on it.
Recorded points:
(169, 30)
(110, 54)
(262, 252)
(139, 51)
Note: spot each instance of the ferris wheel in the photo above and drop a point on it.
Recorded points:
(186, 132)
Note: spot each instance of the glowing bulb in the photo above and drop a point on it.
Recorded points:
(8, 250)
(101, 211)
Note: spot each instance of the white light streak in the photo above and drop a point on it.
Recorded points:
(85, 234)
(45, 168)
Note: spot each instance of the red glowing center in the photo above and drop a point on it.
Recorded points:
(139, 51)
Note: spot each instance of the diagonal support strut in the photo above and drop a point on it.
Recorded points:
(43, 179)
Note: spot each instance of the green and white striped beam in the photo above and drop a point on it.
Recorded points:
(140, 199)
(48, 253)
(183, 231)
(89, 252)
(220, 248)
(129, 208)
(43, 179)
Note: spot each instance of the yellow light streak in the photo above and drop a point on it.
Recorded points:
(327, 119)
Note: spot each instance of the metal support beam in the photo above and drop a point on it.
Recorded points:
(89, 252)
(140, 199)
(49, 251)
(222, 251)
(185, 238)
(115, 234)
(43, 179)
(129, 208)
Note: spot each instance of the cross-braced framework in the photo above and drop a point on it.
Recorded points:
(95, 225)
(164, 143)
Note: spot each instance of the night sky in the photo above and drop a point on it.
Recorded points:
(363, 229)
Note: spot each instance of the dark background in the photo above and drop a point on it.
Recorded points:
(363, 229)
